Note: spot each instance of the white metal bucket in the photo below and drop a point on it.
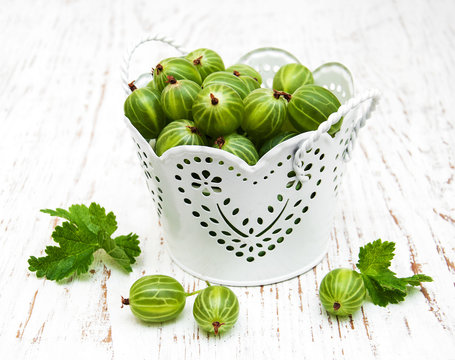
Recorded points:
(234, 224)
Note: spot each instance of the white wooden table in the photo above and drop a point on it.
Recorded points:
(63, 141)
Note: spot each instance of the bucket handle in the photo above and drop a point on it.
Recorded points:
(324, 127)
(125, 68)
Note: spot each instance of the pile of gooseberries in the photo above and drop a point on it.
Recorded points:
(196, 100)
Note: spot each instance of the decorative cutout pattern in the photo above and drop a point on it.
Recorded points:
(151, 179)
(227, 219)
(200, 182)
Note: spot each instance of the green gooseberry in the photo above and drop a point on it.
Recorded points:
(238, 145)
(342, 292)
(216, 309)
(206, 61)
(292, 76)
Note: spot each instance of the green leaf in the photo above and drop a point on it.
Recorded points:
(388, 280)
(59, 265)
(415, 280)
(76, 214)
(74, 255)
(100, 221)
(93, 218)
(382, 284)
(86, 230)
(69, 235)
(57, 212)
(376, 257)
(114, 251)
(130, 244)
(380, 295)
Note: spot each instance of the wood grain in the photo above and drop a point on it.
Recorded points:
(62, 141)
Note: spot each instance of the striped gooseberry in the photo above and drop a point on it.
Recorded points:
(311, 105)
(216, 309)
(292, 76)
(156, 298)
(217, 110)
(179, 68)
(151, 85)
(250, 83)
(206, 61)
(342, 292)
(244, 69)
(287, 124)
(177, 133)
(177, 98)
(226, 78)
(265, 112)
(143, 108)
(238, 145)
(277, 139)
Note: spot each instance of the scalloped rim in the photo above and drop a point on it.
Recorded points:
(180, 151)
(334, 63)
(196, 150)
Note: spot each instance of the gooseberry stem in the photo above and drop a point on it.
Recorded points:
(236, 73)
(159, 68)
(132, 86)
(125, 301)
(219, 142)
(171, 79)
(214, 99)
(285, 95)
(194, 130)
(216, 326)
(195, 292)
(197, 61)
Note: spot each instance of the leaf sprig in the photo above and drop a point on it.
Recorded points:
(87, 230)
(382, 284)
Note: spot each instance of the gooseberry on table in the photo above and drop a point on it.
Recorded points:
(216, 309)
(342, 292)
(156, 298)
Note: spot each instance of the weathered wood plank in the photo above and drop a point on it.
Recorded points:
(62, 141)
